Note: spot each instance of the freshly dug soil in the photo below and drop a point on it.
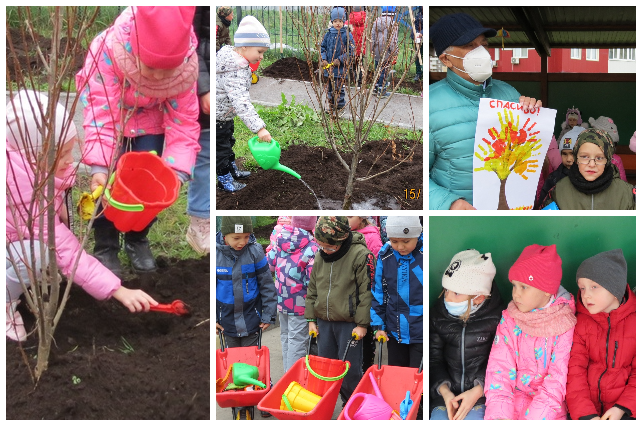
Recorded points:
(321, 169)
(296, 69)
(166, 376)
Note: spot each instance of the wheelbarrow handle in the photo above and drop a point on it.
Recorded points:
(344, 356)
(312, 335)
(223, 342)
(259, 338)
(420, 368)
(381, 340)
(120, 205)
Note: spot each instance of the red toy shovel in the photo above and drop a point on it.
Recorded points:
(177, 307)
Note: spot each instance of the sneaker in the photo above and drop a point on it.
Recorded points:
(198, 235)
(383, 95)
(228, 184)
(15, 324)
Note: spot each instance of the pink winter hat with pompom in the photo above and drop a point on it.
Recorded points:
(538, 266)
(161, 35)
(306, 223)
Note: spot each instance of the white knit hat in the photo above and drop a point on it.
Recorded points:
(403, 227)
(470, 273)
(24, 121)
(568, 141)
(250, 32)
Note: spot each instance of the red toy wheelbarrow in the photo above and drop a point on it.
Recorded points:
(393, 383)
(313, 381)
(241, 401)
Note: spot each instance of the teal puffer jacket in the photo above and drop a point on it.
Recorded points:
(453, 113)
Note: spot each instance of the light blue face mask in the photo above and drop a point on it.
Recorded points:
(458, 309)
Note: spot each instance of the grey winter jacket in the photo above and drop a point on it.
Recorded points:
(384, 38)
(233, 80)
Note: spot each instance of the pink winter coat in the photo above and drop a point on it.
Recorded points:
(92, 276)
(527, 375)
(372, 238)
(109, 96)
(617, 161)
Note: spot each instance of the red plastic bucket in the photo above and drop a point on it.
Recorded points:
(141, 187)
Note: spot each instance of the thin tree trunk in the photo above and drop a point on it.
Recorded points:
(502, 200)
(346, 205)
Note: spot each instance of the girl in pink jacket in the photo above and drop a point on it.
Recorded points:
(24, 146)
(370, 232)
(138, 86)
(527, 371)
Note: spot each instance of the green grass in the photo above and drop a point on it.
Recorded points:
(310, 133)
(263, 221)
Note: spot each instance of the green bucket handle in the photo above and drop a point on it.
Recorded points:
(325, 378)
(120, 205)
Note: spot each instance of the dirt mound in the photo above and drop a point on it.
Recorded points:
(290, 68)
(321, 169)
(166, 376)
(27, 57)
(296, 69)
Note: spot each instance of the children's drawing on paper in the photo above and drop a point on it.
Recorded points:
(510, 146)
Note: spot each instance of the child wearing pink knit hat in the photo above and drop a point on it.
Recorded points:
(527, 370)
(138, 86)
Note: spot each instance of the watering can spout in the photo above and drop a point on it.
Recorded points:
(284, 169)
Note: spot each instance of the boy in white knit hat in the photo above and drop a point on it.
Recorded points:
(233, 79)
(462, 325)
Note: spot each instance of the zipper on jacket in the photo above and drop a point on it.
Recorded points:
(464, 326)
(329, 292)
(606, 362)
(591, 201)
(614, 355)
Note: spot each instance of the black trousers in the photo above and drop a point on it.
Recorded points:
(224, 147)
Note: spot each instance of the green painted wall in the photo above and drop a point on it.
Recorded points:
(614, 100)
(577, 238)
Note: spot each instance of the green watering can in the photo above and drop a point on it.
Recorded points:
(267, 155)
(245, 375)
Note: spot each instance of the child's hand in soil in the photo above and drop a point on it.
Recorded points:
(134, 299)
(205, 103)
(264, 326)
(219, 329)
(359, 331)
(264, 135)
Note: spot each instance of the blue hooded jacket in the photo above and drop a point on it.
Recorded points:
(337, 45)
(397, 302)
(245, 293)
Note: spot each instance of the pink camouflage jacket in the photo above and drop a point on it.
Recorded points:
(110, 97)
(92, 276)
(527, 375)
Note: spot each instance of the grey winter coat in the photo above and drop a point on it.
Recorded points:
(384, 38)
(233, 80)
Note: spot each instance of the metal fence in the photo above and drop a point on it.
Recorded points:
(271, 17)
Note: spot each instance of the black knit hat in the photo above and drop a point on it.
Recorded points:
(457, 29)
(607, 269)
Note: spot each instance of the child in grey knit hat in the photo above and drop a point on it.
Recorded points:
(601, 381)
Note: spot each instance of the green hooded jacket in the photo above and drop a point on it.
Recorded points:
(620, 195)
(340, 291)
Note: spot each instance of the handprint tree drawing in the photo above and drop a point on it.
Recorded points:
(515, 146)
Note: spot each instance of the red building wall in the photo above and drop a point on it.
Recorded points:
(559, 61)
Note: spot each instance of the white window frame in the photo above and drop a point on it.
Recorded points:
(497, 54)
(597, 52)
(579, 56)
(522, 53)
(622, 54)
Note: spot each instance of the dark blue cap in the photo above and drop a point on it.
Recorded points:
(457, 29)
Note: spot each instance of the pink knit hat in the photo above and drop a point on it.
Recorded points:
(161, 35)
(306, 223)
(538, 266)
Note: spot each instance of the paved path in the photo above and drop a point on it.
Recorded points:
(403, 110)
(271, 339)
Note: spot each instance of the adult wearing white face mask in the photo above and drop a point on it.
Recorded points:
(460, 43)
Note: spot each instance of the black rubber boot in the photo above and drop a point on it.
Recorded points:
(107, 246)
(136, 245)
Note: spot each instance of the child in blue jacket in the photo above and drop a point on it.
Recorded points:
(338, 47)
(396, 308)
(243, 284)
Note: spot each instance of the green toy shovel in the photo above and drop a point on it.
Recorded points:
(267, 155)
